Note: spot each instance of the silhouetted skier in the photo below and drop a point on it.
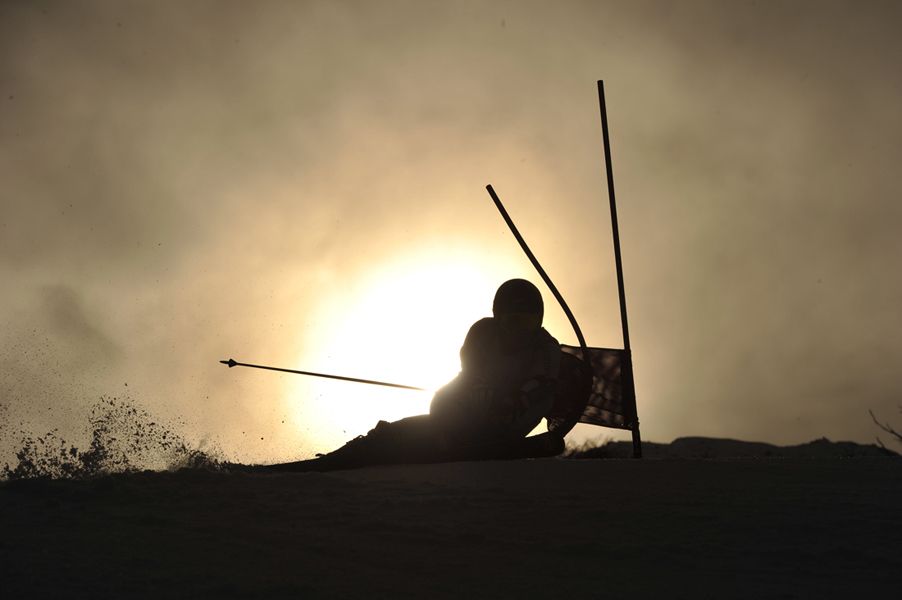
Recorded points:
(509, 366)
(506, 385)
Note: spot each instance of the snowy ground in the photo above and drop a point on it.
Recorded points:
(553, 528)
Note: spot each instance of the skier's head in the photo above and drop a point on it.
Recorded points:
(519, 302)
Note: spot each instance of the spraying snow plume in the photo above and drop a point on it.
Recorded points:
(122, 438)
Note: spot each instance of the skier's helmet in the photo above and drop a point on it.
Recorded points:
(518, 296)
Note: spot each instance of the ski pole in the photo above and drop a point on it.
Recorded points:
(234, 363)
(535, 263)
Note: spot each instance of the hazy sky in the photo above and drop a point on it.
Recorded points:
(302, 184)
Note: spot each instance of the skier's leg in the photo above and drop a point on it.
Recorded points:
(533, 405)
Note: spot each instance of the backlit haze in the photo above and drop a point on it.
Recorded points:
(301, 184)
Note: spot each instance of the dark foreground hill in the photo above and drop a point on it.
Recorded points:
(551, 528)
(705, 447)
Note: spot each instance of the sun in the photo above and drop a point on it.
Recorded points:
(403, 322)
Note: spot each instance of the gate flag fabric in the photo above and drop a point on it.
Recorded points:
(612, 399)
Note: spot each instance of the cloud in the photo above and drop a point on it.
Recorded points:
(65, 319)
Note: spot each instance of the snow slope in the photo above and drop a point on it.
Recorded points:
(551, 528)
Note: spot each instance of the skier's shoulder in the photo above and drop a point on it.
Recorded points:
(484, 323)
(546, 339)
(487, 326)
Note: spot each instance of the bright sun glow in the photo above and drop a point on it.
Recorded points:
(403, 323)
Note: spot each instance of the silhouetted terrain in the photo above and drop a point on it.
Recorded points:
(704, 447)
(659, 528)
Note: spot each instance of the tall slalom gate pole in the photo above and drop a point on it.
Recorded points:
(629, 387)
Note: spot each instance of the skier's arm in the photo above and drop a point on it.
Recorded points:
(474, 344)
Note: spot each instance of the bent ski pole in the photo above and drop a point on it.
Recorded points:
(535, 263)
(234, 363)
